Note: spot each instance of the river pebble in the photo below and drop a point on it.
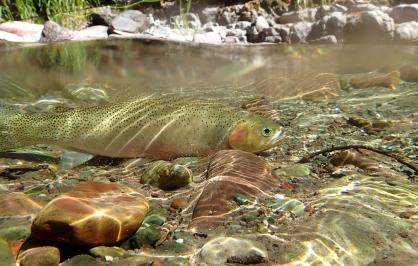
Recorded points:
(92, 214)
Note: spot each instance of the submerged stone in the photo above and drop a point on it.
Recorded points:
(231, 172)
(167, 176)
(40, 256)
(92, 214)
(147, 234)
(293, 205)
(85, 260)
(233, 250)
(6, 255)
(103, 251)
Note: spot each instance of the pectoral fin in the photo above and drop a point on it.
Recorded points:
(71, 159)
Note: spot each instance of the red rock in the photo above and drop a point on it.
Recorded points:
(92, 214)
(15, 247)
(178, 203)
(231, 172)
(19, 204)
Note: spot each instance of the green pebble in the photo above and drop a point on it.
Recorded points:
(155, 217)
(15, 233)
(249, 218)
(173, 247)
(146, 235)
(6, 256)
(296, 171)
(103, 251)
(241, 199)
(85, 260)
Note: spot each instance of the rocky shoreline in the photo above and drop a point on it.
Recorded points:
(255, 21)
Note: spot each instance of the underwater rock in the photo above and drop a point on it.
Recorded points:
(86, 92)
(6, 256)
(354, 158)
(19, 204)
(92, 214)
(147, 234)
(388, 80)
(178, 203)
(294, 206)
(296, 170)
(132, 21)
(233, 250)
(40, 256)
(166, 175)
(85, 260)
(231, 172)
(156, 217)
(103, 251)
(15, 233)
(405, 13)
(409, 73)
(52, 32)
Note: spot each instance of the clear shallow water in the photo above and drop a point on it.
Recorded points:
(354, 215)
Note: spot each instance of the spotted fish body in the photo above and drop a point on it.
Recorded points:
(155, 127)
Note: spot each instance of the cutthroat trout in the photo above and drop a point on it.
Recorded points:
(152, 127)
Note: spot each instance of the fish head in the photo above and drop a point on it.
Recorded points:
(255, 134)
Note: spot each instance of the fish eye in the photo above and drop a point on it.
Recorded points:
(266, 131)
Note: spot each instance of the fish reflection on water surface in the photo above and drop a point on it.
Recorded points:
(155, 127)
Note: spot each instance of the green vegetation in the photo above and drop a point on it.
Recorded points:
(69, 13)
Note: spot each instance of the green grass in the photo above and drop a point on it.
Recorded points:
(68, 13)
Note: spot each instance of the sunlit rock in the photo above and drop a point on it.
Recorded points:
(23, 31)
(307, 14)
(407, 31)
(233, 250)
(335, 23)
(19, 204)
(405, 13)
(52, 32)
(91, 33)
(132, 21)
(300, 31)
(92, 214)
(208, 38)
(369, 26)
(40, 256)
(231, 173)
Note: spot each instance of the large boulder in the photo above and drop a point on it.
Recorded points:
(405, 13)
(335, 23)
(307, 14)
(370, 26)
(92, 214)
(52, 32)
(131, 21)
(300, 31)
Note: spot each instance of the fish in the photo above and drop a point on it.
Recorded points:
(163, 128)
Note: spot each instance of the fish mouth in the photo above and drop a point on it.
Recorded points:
(276, 138)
